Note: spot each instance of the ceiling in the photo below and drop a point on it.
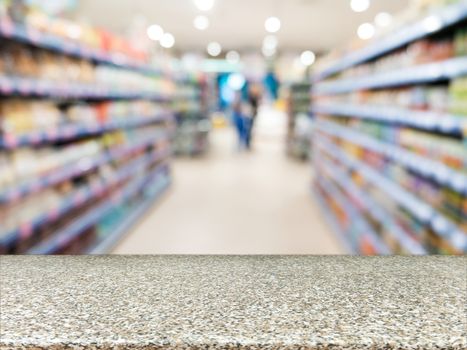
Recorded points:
(319, 25)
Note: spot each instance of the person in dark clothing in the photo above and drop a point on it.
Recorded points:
(254, 99)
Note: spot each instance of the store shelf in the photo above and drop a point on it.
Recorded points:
(420, 210)
(439, 172)
(372, 207)
(298, 99)
(71, 171)
(78, 198)
(358, 222)
(425, 120)
(332, 222)
(444, 227)
(420, 74)
(75, 131)
(34, 37)
(63, 238)
(102, 67)
(332, 138)
(428, 25)
(13, 86)
(193, 121)
(106, 245)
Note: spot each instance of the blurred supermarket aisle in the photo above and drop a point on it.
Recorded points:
(237, 203)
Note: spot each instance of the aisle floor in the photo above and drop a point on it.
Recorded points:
(231, 202)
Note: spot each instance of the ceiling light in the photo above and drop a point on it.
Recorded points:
(167, 40)
(270, 42)
(269, 52)
(74, 31)
(366, 31)
(272, 24)
(233, 57)
(155, 32)
(383, 19)
(359, 5)
(201, 22)
(214, 49)
(307, 58)
(432, 23)
(204, 5)
(236, 81)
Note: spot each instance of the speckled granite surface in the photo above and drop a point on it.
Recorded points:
(233, 302)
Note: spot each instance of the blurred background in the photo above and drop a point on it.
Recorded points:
(233, 127)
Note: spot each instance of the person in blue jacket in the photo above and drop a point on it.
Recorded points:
(272, 84)
(239, 120)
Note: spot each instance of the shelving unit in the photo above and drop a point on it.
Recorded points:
(85, 142)
(390, 146)
(192, 113)
(425, 120)
(54, 89)
(298, 105)
(422, 74)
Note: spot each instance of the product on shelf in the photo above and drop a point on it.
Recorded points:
(19, 117)
(444, 149)
(440, 99)
(458, 97)
(20, 12)
(20, 61)
(29, 163)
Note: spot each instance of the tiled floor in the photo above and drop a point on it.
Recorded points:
(237, 203)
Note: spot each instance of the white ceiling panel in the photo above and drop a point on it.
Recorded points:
(318, 25)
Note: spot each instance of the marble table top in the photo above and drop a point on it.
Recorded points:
(233, 302)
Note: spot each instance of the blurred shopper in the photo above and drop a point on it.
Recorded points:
(272, 84)
(238, 120)
(254, 99)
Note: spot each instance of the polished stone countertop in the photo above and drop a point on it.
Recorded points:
(236, 302)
